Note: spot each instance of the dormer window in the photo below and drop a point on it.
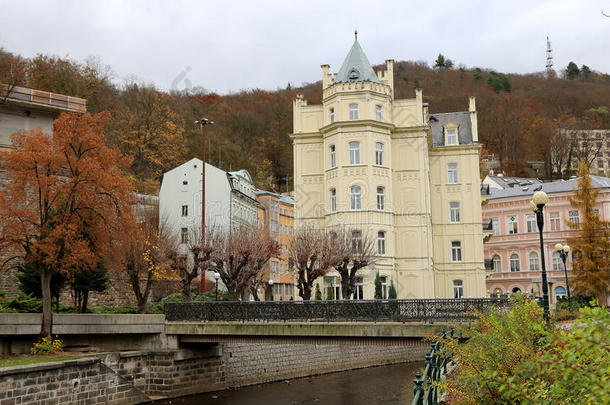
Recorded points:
(353, 74)
(451, 134)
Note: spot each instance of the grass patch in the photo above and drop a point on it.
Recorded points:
(23, 360)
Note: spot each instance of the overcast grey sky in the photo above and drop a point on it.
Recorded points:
(231, 45)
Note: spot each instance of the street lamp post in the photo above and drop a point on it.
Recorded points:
(216, 277)
(563, 251)
(271, 289)
(203, 123)
(537, 204)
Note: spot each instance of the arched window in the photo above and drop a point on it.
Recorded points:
(557, 263)
(497, 263)
(333, 200)
(353, 111)
(514, 262)
(380, 198)
(560, 292)
(534, 262)
(355, 197)
(516, 290)
(333, 156)
(354, 153)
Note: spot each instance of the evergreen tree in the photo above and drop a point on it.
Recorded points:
(378, 293)
(591, 243)
(392, 293)
(572, 72)
(29, 282)
(85, 281)
(318, 293)
(442, 62)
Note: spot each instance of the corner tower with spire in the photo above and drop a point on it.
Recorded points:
(386, 168)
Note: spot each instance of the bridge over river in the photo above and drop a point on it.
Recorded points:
(387, 322)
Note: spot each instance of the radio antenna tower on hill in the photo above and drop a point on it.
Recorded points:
(549, 59)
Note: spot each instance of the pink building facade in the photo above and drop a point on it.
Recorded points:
(512, 251)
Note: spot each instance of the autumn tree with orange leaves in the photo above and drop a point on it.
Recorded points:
(65, 200)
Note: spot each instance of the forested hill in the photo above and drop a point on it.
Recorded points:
(518, 114)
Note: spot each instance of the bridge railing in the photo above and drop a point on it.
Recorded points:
(410, 310)
(425, 390)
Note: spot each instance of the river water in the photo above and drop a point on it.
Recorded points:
(387, 385)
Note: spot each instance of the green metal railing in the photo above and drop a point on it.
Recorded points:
(426, 392)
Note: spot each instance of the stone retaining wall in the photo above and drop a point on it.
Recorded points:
(133, 377)
(82, 381)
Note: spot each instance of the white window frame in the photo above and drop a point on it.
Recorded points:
(185, 210)
(555, 220)
(184, 235)
(495, 225)
(331, 114)
(574, 216)
(380, 198)
(452, 173)
(381, 243)
(378, 112)
(456, 251)
(379, 153)
(332, 152)
(534, 261)
(451, 136)
(556, 260)
(512, 225)
(458, 289)
(353, 111)
(384, 287)
(454, 211)
(530, 222)
(354, 153)
(333, 199)
(355, 197)
(515, 263)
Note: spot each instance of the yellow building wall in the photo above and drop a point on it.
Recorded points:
(416, 213)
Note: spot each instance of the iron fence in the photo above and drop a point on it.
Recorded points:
(409, 310)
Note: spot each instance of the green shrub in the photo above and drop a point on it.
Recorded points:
(317, 294)
(173, 297)
(25, 303)
(514, 358)
(211, 296)
(2, 293)
(154, 308)
(578, 301)
(47, 345)
(126, 309)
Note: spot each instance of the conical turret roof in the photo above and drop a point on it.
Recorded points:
(356, 67)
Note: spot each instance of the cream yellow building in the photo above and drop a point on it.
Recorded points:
(373, 164)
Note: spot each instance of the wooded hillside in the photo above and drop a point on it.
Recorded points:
(518, 114)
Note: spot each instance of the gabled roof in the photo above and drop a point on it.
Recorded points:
(356, 67)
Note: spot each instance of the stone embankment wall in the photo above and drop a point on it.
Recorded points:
(82, 381)
(133, 377)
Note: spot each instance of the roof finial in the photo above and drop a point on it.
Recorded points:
(356, 34)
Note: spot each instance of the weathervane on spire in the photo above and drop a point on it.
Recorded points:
(356, 34)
